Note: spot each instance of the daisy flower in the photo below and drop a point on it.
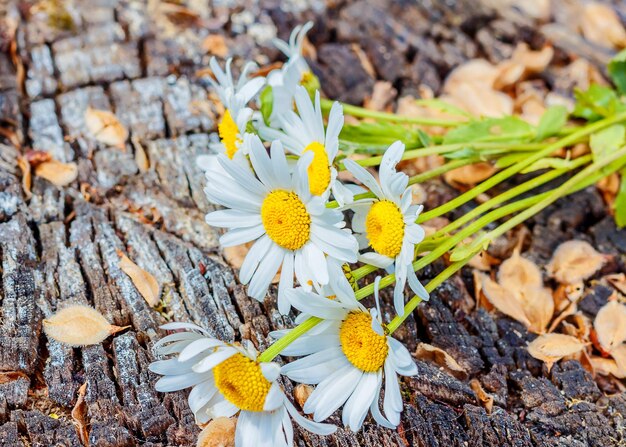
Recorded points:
(387, 223)
(348, 356)
(294, 72)
(226, 380)
(235, 97)
(305, 133)
(293, 230)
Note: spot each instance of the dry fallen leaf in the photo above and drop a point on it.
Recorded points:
(383, 95)
(215, 44)
(79, 414)
(619, 355)
(550, 348)
(610, 325)
(220, 432)
(146, 284)
(600, 24)
(437, 355)
(79, 325)
(518, 273)
(106, 128)
(504, 300)
(301, 393)
(140, 155)
(24, 166)
(57, 173)
(604, 366)
(470, 174)
(484, 397)
(575, 261)
(617, 280)
(539, 308)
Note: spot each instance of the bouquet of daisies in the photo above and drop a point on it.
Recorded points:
(275, 173)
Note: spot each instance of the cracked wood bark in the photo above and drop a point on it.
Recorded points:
(59, 246)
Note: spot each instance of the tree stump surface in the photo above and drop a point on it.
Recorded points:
(61, 245)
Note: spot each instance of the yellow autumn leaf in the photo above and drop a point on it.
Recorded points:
(57, 173)
(78, 325)
(610, 325)
(484, 397)
(146, 284)
(106, 128)
(220, 432)
(551, 348)
(575, 261)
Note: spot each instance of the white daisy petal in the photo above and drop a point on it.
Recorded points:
(239, 236)
(266, 271)
(359, 403)
(313, 427)
(210, 361)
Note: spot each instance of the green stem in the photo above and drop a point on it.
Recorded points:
(554, 195)
(419, 178)
(360, 112)
(512, 193)
(276, 348)
(520, 166)
(444, 148)
(432, 285)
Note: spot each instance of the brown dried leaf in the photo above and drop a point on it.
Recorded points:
(604, 366)
(509, 73)
(79, 414)
(220, 432)
(575, 261)
(27, 179)
(619, 355)
(519, 274)
(504, 300)
(470, 174)
(600, 24)
(539, 308)
(483, 261)
(106, 128)
(36, 157)
(140, 155)
(437, 355)
(532, 61)
(146, 284)
(301, 393)
(215, 44)
(617, 280)
(383, 94)
(57, 173)
(550, 348)
(610, 325)
(78, 325)
(484, 397)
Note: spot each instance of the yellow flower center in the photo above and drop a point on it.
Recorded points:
(229, 134)
(241, 382)
(363, 347)
(319, 169)
(384, 226)
(306, 77)
(286, 220)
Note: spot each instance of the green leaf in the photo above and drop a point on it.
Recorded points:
(466, 251)
(620, 201)
(507, 160)
(438, 104)
(596, 102)
(424, 138)
(509, 129)
(607, 141)
(617, 71)
(546, 163)
(267, 103)
(551, 122)
(466, 152)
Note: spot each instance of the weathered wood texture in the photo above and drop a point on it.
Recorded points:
(59, 246)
